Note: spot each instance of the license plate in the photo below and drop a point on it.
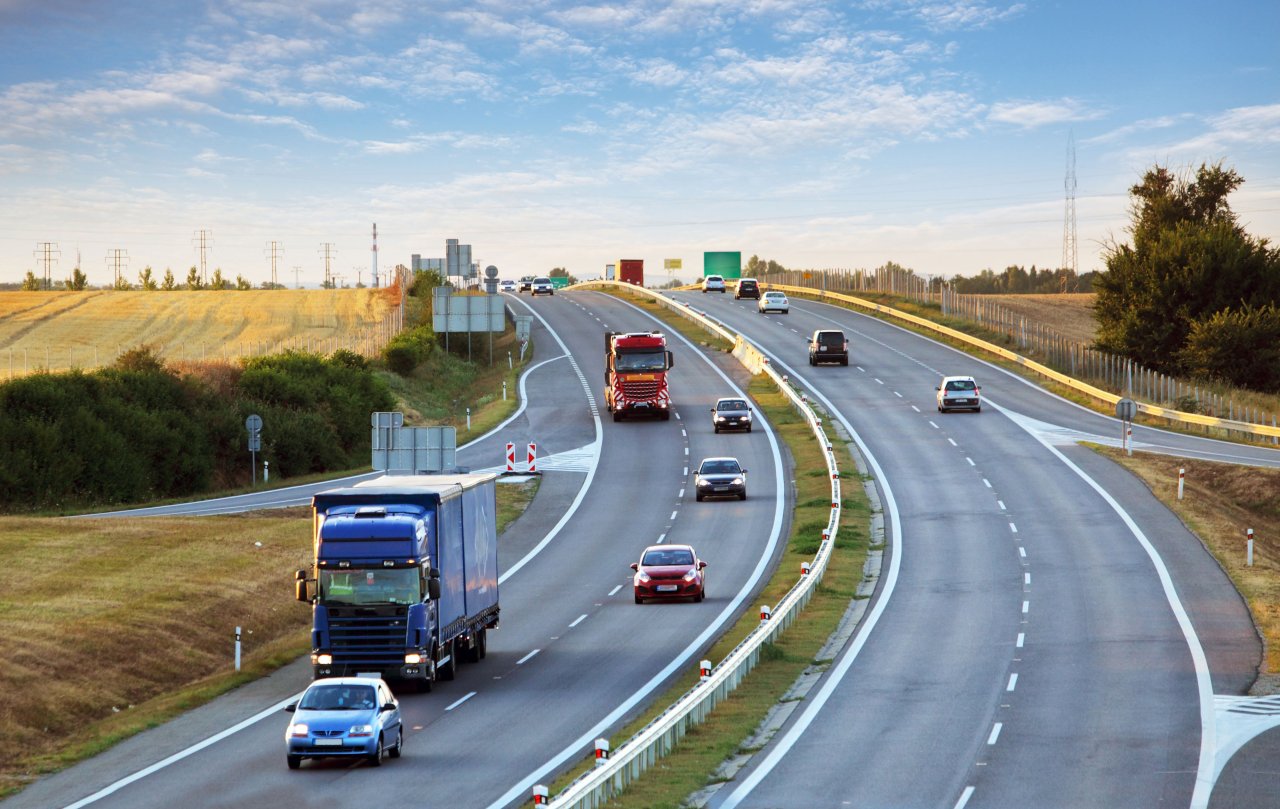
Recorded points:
(667, 588)
(328, 742)
(721, 488)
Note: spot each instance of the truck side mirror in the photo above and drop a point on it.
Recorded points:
(671, 361)
(433, 589)
(299, 575)
(300, 591)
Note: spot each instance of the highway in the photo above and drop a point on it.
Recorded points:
(1054, 637)
(574, 656)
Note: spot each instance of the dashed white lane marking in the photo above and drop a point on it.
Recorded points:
(995, 733)
(899, 395)
(952, 442)
(686, 470)
(615, 590)
(970, 460)
(794, 331)
(1026, 577)
(681, 495)
(1013, 682)
(986, 483)
(1022, 637)
(661, 537)
(913, 407)
(878, 381)
(686, 450)
(964, 798)
(678, 417)
(683, 433)
(461, 700)
(525, 659)
(1022, 552)
(860, 368)
(934, 426)
(673, 514)
(1013, 528)
(1026, 605)
(1000, 503)
(578, 620)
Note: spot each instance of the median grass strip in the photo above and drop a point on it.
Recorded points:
(1220, 502)
(705, 747)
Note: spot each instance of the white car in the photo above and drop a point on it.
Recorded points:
(959, 393)
(542, 286)
(713, 283)
(508, 286)
(773, 302)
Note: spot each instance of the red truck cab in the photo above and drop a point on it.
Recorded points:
(635, 374)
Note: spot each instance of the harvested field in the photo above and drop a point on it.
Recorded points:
(58, 331)
(1069, 314)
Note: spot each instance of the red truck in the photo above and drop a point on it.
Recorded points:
(635, 374)
(631, 271)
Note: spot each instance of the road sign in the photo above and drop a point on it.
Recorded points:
(254, 423)
(1126, 409)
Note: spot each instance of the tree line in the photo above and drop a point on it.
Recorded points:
(147, 281)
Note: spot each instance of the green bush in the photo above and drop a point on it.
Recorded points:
(408, 349)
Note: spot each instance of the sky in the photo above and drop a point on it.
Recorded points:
(931, 133)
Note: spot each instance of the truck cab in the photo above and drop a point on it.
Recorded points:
(635, 374)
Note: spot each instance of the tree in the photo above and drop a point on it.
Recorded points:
(168, 284)
(217, 281)
(1239, 346)
(78, 281)
(146, 280)
(561, 272)
(193, 279)
(122, 284)
(243, 283)
(31, 283)
(1189, 260)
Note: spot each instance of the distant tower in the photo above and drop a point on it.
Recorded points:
(375, 255)
(1069, 258)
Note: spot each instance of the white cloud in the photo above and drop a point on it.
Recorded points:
(1032, 114)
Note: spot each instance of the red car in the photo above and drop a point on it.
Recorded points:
(669, 571)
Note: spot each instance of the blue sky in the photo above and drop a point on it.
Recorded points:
(932, 133)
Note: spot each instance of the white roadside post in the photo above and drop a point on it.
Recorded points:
(602, 752)
(1249, 534)
(1182, 474)
(237, 648)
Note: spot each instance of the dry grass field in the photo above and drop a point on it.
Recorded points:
(62, 330)
(1069, 314)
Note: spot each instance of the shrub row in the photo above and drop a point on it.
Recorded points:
(140, 430)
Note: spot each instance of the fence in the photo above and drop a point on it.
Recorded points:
(1097, 374)
(637, 754)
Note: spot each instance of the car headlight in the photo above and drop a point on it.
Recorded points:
(692, 575)
(299, 730)
(360, 730)
(412, 658)
(719, 418)
(703, 482)
(737, 481)
(642, 576)
(322, 659)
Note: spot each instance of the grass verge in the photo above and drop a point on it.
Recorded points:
(705, 747)
(1220, 502)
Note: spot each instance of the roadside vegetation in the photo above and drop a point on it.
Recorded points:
(705, 747)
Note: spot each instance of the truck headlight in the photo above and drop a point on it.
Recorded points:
(412, 658)
(323, 659)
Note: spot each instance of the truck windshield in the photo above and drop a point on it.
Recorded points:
(400, 585)
(655, 360)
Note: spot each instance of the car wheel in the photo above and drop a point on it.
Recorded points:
(844, 361)
(375, 758)
(394, 752)
(748, 428)
(639, 600)
(698, 497)
(811, 362)
(704, 292)
(742, 496)
(717, 429)
(294, 762)
(977, 410)
(698, 598)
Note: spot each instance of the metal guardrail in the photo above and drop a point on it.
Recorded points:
(1043, 370)
(637, 754)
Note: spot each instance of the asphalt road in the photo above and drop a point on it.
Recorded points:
(574, 657)
(1032, 652)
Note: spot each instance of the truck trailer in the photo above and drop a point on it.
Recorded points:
(404, 582)
(631, 271)
(635, 374)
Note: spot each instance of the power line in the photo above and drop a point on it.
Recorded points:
(1069, 255)
(329, 254)
(47, 254)
(116, 258)
(297, 268)
(277, 251)
(203, 241)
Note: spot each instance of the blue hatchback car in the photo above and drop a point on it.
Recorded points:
(345, 717)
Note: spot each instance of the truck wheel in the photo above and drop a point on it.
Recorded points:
(449, 670)
(294, 762)
(423, 686)
(666, 415)
(375, 758)
(482, 644)
(617, 415)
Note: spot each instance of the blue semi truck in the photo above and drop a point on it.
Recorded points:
(405, 579)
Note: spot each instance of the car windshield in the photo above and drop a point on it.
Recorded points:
(542, 280)
(960, 384)
(719, 468)
(401, 585)
(667, 557)
(655, 360)
(731, 404)
(339, 698)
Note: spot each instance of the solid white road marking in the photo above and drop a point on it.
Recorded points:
(524, 659)
(461, 700)
(578, 620)
(1013, 682)
(995, 733)
(615, 590)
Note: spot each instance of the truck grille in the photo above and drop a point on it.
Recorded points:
(369, 639)
(641, 391)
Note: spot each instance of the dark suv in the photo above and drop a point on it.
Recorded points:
(828, 345)
(747, 288)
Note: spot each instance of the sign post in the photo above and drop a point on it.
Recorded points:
(1126, 409)
(254, 425)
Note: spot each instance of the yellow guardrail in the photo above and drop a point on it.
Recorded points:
(1043, 370)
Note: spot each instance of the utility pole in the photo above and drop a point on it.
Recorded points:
(1069, 217)
(115, 258)
(276, 252)
(47, 254)
(375, 255)
(329, 252)
(203, 242)
(297, 268)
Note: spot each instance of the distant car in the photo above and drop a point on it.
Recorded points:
(828, 345)
(508, 285)
(731, 413)
(542, 286)
(348, 717)
(713, 283)
(747, 288)
(720, 477)
(526, 283)
(669, 571)
(959, 393)
(774, 302)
